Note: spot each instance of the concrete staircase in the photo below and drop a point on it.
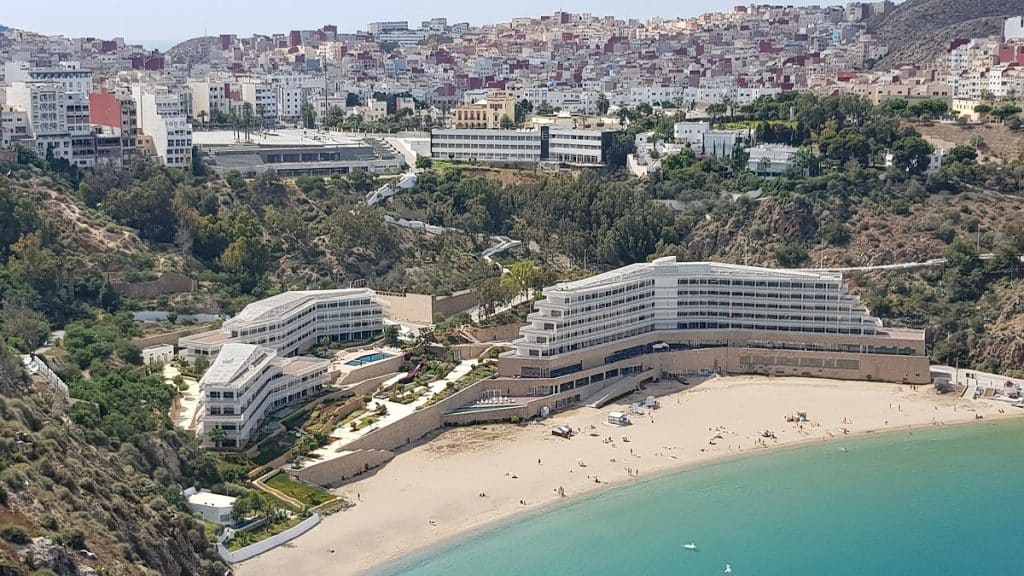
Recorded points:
(619, 389)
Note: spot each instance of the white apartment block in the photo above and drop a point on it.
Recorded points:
(261, 96)
(46, 107)
(209, 96)
(293, 322)
(1013, 28)
(247, 382)
(14, 126)
(163, 118)
(68, 75)
(290, 100)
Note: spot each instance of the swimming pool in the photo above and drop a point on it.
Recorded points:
(369, 359)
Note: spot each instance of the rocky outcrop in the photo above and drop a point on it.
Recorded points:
(43, 553)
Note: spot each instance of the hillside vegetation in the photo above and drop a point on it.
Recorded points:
(919, 31)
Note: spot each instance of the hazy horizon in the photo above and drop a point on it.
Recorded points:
(162, 25)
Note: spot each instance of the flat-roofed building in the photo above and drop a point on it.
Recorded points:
(544, 144)
(246, 382)
(686, 317)
(295, 152)
(293, 322)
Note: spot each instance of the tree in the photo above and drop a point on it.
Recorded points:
(352, 100)
(424, 162)
(961, 155)
(912, 154)
(716, 111)
(790, 255)
(545, 109)
(391, 336)
(308, 116)
(507, 123)
(965, 272)
(28, 327)
(521, 277)
(929, 109)
(523, 108)
(216, 436)
(1005, 111)
(602, 104)
(983, 110)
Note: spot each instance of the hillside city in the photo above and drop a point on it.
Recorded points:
(245, 279)
(95, 100)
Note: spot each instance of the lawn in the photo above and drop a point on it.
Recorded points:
(309, 495)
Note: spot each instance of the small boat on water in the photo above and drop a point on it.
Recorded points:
(690, 546)
(728, 569)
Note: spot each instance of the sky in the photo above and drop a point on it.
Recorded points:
(162, 24)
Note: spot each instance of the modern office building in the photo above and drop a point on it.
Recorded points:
(545, 144)
(247, 382)
(293, 322)
(685, 317)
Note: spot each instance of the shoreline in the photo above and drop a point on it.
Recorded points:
(387, 535)
(491, 525)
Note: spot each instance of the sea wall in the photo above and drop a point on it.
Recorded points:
(343, 467)
(416, 425)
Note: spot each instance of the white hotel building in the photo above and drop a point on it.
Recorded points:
(247, 382)
(293, 322)
(684, 317)
(256, 370)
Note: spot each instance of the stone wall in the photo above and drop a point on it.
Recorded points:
(503, 333)
(423, 308)
(344, 467)
(169, 337)
(353, 374)
(418, 424)
(167, 283)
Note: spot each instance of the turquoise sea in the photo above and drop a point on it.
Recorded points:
(932, 502)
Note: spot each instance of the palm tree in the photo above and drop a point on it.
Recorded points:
(603, 104)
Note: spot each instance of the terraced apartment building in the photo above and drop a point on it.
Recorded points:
(247, 382)
(256, 369)
(686, 317)
(293, 322)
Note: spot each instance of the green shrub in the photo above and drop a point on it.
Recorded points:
(14, 534)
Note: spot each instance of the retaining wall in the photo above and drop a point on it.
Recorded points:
(343, 467)
(167, 283)
(274, 541)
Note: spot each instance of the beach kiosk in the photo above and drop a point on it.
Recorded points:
(618, 418)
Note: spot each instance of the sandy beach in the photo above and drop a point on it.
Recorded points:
(463, 479)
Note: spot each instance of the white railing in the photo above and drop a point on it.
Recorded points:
(37, 365)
